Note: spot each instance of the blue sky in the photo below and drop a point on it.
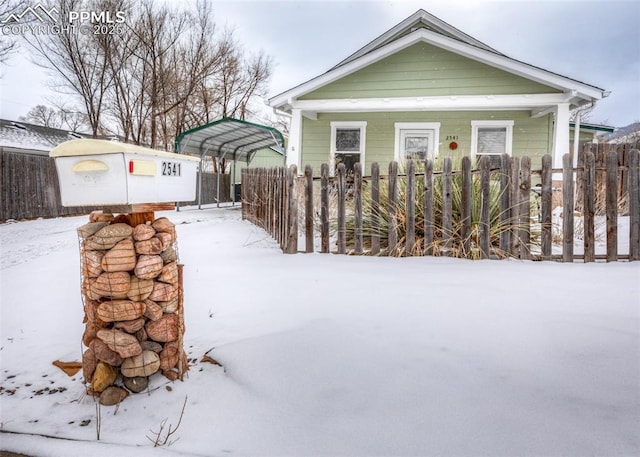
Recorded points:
(592, 41)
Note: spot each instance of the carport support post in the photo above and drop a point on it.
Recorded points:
(218, 184)
(233, 182)
(200, 185)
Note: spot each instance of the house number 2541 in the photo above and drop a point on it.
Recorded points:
(171, 169)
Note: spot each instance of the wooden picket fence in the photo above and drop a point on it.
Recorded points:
(273, 199)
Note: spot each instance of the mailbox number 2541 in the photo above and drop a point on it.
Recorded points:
(171, 169)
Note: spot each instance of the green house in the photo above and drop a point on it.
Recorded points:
(426, 89)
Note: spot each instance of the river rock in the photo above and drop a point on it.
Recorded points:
(113, 395)
(144, 364)
(164, 329)
(152, 246)
(104, 354)
(143, 232)
(139, 289)
(110, 285)
(136, 384)
(154, 310)
(120, 310)
(169, 273)
(121, 257)
(124, 344)
(148, 266)
(103, 377)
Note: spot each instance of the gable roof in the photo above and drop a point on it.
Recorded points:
(424, 27)
(419, 19)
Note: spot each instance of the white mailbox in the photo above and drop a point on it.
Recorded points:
(101, 172)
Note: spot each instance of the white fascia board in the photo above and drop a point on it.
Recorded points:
(463, 49)
(457, 103)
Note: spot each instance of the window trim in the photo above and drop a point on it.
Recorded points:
(508, 124)
(399, 126)
(335, 125)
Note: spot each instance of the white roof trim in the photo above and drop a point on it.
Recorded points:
(438, 103)
(579, 89)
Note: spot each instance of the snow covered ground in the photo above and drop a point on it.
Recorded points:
(333, 355)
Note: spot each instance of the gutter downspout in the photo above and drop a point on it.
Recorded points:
(576, 139)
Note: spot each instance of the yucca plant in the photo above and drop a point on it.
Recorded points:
(452, 244)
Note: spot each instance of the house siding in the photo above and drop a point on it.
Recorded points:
(531, 136)
(427, 70)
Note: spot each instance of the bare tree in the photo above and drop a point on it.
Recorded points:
(8, 43)
(584, 112)
(60, 117)
(43, 115)
(76, 61)
(166, 72)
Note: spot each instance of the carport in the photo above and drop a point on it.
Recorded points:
(228, 138)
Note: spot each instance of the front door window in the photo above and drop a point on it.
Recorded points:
(417, 141)
(416, 145)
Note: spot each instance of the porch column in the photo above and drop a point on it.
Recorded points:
(295, 139)
(560, 137)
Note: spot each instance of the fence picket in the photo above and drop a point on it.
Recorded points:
(612, 206)
(485, 206)
(634, 204)
(465, 231)
(588, 206)
(567, 209)
(525, 208)
(447, 206)
(428, 207)
(375, 208)
(392, 207)
(308, 209)
(292, 241)
(546, 235)
(505, 203)
(342, 221)
(410, 208)
(515, 214)
(357, 197)
(324, 208)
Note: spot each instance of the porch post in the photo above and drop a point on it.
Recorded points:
(295, 139)
(560, 137)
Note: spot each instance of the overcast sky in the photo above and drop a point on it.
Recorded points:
(597, 42)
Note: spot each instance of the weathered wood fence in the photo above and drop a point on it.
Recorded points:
(29, 188)
(273, 198)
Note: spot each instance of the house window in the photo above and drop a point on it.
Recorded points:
(347, 145)
(416, 140)
(491, 138)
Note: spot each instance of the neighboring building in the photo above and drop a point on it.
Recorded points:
(31, 138)
(590, 133)
(426, 89)
(628, 134)
(264, 158)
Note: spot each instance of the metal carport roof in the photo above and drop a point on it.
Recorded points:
(229, 138)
